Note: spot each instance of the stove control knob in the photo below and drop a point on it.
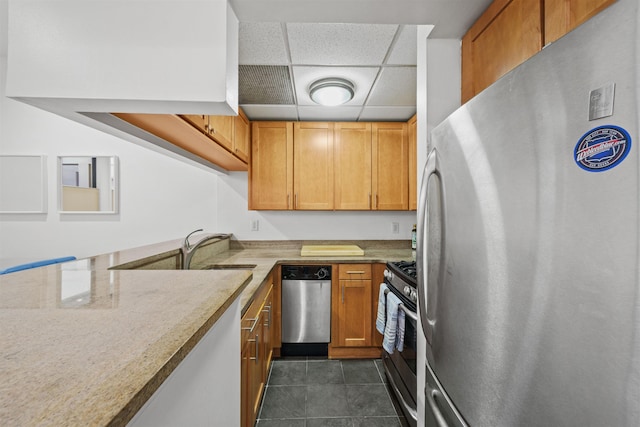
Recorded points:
(388, 274)
(414, 295)
(407, 291)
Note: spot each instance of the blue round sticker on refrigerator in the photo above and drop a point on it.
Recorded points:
(602, 148)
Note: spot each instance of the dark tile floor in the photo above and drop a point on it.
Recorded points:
(311, 392)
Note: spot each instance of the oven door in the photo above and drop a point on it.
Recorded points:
(400, 366)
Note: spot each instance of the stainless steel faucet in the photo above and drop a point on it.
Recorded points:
(188, 250)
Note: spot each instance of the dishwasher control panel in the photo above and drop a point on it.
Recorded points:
(306, 272)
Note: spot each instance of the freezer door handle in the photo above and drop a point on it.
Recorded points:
(430, 270)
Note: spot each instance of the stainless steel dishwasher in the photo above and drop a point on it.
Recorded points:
(306, 309)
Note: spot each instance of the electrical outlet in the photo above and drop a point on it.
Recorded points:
(395, 227)
(255, 225)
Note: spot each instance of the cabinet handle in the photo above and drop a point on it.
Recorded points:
(295, 201)
(355, 272)
(343, 293)
(376, 200)
(288, 200)
(253, 326)
(267, 309)
(369, 200)
(257, 348)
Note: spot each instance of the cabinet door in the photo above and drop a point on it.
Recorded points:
(241, 138)
(267, 333)
(221, 129)
(352, 166)
(562, 16)
(506, 34)
(313, 165)
(256, 369)
(413, 163)
(354, 305)
(271, 171)
(197, 120)
(390, 166)
(251, 374)
(245, 385)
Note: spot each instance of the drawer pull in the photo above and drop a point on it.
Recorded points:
(355, 272)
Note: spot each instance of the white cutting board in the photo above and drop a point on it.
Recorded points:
(331, 250)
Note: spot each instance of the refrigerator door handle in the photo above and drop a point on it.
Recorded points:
(432, 169)
(431, 395)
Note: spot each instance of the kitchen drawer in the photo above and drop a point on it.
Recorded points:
(354, 271)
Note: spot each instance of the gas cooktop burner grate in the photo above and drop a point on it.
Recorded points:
(406, 268)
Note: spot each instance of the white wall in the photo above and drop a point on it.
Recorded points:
(298, 225)
(161, 198)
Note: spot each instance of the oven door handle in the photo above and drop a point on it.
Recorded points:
(413, 413)
(408, 312)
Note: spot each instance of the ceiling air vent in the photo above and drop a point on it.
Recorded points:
(265, 84)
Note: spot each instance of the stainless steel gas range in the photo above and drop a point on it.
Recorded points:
(400, 366)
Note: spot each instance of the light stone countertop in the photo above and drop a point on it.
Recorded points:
(84, 345)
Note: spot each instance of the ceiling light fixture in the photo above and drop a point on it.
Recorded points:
(331, 91)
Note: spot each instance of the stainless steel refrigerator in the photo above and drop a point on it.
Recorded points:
(528, 240)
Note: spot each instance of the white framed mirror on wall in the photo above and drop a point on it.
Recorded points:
(23, 184)
(88, 184)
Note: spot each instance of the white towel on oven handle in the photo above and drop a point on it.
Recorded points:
(382, 308)
(394, 328)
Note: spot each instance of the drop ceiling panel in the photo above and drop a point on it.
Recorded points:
(339, 44)
(361, 77)
(381, 114)
(262, 43)
(270, 112)
(333, 114)
(396, 86)
(404, 51)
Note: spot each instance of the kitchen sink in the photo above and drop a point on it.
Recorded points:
(228, 267)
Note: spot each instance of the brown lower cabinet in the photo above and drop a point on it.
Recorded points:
(257, 344)
(354, 301)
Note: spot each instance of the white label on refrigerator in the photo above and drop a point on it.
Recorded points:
(601, 101)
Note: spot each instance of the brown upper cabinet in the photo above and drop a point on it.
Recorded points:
(187, 138)
(511, 31)
(506, 34)
(242, 136)
(313, 165)
(336, 166)
(371, 166)
(390, 166)
(562, 16)
(353, 166)
(219, 128)
(271, 171)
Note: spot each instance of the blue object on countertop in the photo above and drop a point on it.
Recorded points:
(36, 264)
